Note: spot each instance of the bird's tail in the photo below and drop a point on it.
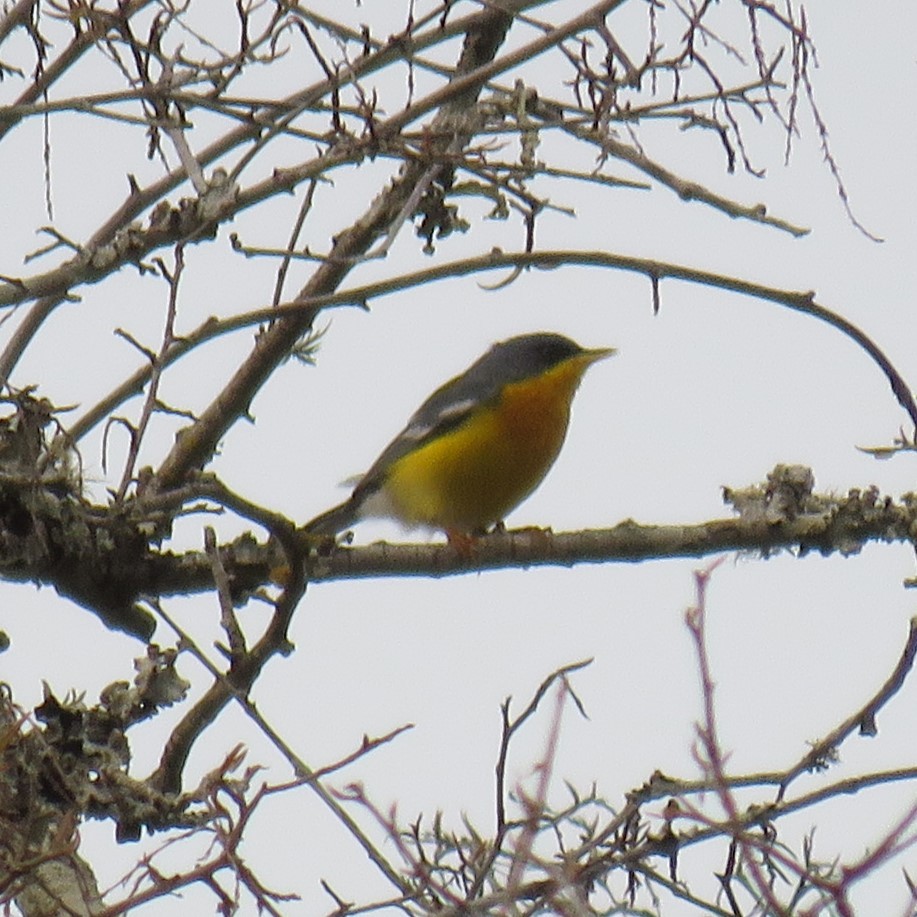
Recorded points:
(333, 520)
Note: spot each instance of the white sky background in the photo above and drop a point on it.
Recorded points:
(714, 390)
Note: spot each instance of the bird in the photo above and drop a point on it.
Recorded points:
(478, 446)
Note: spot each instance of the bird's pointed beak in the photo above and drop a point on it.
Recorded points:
(596, 354)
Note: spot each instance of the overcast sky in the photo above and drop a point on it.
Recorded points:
(713, 390)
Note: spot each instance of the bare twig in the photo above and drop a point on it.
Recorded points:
(862, 720)
(800, 301)
(156, 367)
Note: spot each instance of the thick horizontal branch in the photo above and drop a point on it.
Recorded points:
(107, 558)
(779, 515)
(628, 541)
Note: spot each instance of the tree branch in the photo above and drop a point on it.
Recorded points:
(452, 129)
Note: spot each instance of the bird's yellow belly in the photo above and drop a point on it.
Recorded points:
(471, 477)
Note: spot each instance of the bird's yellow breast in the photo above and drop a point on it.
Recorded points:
(473, 475)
